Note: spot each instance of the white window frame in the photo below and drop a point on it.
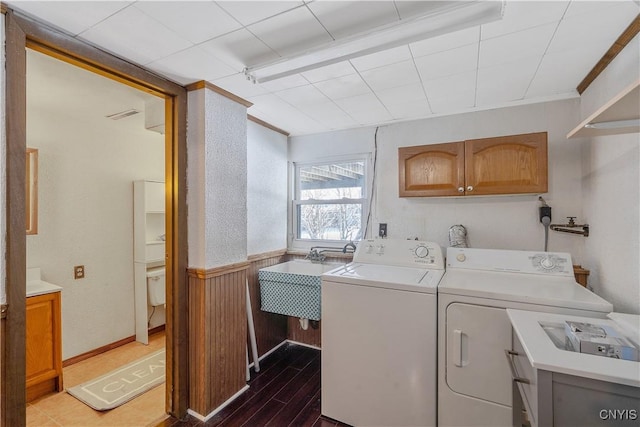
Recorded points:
(297, 243)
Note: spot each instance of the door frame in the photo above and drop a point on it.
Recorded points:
(22, 33)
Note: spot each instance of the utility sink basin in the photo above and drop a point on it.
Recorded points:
(293, 288)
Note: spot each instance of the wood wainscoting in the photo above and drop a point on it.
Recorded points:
(217, 335)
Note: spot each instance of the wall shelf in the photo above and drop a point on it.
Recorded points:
(624, 106)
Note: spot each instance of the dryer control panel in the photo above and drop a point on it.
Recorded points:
(401, 253)
(510, 261)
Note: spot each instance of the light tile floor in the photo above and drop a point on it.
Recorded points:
(62, 409)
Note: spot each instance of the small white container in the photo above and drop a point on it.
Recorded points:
(156, 286)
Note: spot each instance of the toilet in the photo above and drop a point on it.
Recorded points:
(156, 286)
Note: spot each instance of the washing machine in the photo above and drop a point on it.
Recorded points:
(379, 317)
(474, 380)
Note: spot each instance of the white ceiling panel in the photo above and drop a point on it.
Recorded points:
(520, 15)
(445, 42)
(506, 82)
(560, 72)
(343, 19)
(392, 75)
(545, 46)
(302, 95)
(401, 94)
(442, 64)
(248, 12)
(204, 21)
(451, 93)
(71, 16)
(512, 46)
(239, 85)
(380, 59)
(409, 110)
(133, 34)
(593, 27)
(329, 72)
(343, 87)
(239, 49)
(291, 32)
(191, 65)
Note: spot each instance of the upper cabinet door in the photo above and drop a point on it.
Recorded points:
(431, 170)
(513, 164)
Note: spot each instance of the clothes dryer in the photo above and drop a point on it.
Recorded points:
(474, 380)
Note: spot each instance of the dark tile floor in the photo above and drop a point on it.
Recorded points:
(286, 392)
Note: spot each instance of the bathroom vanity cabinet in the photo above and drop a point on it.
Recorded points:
(43, 345)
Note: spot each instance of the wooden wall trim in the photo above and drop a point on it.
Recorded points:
(13, 338)
(3, 8)
(267, 125)
(203, 273)
(202, 84)
(627, 35)
(265, 255)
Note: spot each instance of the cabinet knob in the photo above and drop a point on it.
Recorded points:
(460, 189)
(470, 188)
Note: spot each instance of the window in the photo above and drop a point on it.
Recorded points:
(330, 200)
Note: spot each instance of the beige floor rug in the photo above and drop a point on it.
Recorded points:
(123, 384)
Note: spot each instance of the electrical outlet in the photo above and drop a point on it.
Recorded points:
(382, 230)
(78, 272)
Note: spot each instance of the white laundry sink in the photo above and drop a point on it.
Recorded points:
(293, 288)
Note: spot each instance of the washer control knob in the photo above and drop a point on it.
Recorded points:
(547, 263)
(369, 249)
(380, 249)
(421, 251)
(461, 257)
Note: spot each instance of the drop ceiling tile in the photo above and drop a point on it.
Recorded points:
(410, 9)
(445, 42)
(354, 104)
(453, 61)
(346, 18)
(302, 95)
(505, 82)
(192, 65)
(196, 21)
(410, 110)
(71, 16)
(401, 94)
(285, 83)
(600, 25)
(329, 72)
(239, 85)
(521, 44)
(580, 7)
(560, 72)
(134, 35)
(520, 15)
(451, 93)
(390, 76)
(239, 49)
(380, 59)
(372, 116)
(283, 115)
(248, 12)
(343, 87)
(329, 114)
(292, 32)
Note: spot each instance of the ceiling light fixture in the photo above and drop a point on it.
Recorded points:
(454, 16)
(616, 124)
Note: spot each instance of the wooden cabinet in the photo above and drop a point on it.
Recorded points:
(43, 345)
(513, 164)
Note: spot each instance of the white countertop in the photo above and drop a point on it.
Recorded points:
(40, 287)
(543, 354)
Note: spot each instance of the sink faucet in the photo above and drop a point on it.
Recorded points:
(348, 246)
(315, 256)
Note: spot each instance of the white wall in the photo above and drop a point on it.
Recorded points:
(507, 222)
(266, 189)
(611, 185)
(216, 180)
(86, 174)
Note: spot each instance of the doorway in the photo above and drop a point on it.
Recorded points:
(22, 33)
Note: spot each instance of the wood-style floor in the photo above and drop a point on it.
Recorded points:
(286, 392)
